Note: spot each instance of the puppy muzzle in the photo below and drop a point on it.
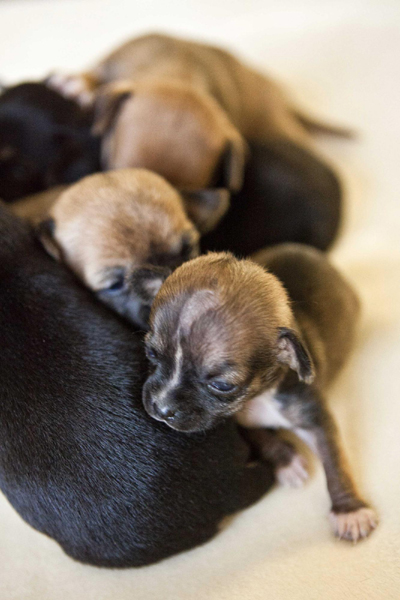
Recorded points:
(173, 415)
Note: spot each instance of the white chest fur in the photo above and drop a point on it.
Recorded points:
(263, 411)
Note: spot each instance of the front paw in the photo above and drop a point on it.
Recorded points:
(295, 474)
(353, 526)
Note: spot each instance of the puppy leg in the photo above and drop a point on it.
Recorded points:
(351, 517)
(290, 467)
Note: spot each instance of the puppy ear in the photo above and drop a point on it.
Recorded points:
(108, 104)
(291, 352)
(146, 281)
(205, 208)
(233, 162)
(45, 233)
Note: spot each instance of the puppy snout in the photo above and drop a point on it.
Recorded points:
(167, 413)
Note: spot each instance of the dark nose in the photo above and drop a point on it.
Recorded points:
(166, 412)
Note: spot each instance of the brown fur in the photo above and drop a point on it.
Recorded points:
(122, 233)
(279, 333)
(115, 218)
(177, 107)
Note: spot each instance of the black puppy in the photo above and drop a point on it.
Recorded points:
(79, 458)
(45, 140)
(289, 195)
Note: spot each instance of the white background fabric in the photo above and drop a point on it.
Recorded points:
(341, 60)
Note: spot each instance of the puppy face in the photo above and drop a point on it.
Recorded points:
(171, 129)
(220, 334)
(122, 233)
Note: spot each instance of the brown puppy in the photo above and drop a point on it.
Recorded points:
(123, 232)
(228, 337)
(183, 109)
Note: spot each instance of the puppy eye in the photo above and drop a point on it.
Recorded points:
(151, 354)
(222, 386)
(117, 285)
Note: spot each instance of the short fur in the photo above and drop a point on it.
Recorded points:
(79, 458)
(182, 109)
(45, 140)
(263, 345)
(287, 196)
(123, 232)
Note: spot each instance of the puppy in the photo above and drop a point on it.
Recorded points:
(287, 196)
(124, 231)
(228, 337)
(184, 109)
(79, 458)
(45, 140)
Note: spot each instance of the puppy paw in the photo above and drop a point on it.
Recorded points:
(73, 87)
(353, 526)
(295, 474)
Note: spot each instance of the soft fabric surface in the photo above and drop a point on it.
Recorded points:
(340, 59)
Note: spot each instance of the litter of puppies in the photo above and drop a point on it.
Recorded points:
(167, 306)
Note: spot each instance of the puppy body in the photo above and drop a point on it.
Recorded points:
(287, 196)
(183, 109)
(79, 458)
(264, 346)
(45, 140)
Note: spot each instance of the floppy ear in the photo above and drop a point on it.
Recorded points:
(233, 162)
(45, 233)
(146, 281)
(107, 105)
(205, 208)
(291, 352)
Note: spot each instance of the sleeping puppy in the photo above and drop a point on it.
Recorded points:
(229, 337)
(123, 232)
(45, 140)
(287, 196)
(184, 109)
(79, 458)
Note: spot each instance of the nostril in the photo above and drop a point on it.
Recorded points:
(167, 413)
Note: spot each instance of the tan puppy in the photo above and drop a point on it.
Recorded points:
(183, 110)
(124, 231)
(226, 337)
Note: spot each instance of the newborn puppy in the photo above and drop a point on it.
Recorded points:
(184, 109)
(45, 140)
(287, 196)
(123, 232)
(228, 337)
(79, 458)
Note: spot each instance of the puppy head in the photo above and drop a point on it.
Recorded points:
(122, 233)
(221, 332)
(171, 129)
(44, 141)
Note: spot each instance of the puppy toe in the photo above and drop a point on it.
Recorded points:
(353, 526)
(295, 474)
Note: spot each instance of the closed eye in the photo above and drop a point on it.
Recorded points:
(152, 354)
(221, 387)
(117, 282)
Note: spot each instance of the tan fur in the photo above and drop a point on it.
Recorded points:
(252, 304)
(115, 218)
(36, 207)
(188, 102)
(263, 344)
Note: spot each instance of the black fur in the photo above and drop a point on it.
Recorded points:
(79, 458)
(45, 141)
(288, 195)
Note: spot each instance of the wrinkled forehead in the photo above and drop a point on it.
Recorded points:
(198, 326)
